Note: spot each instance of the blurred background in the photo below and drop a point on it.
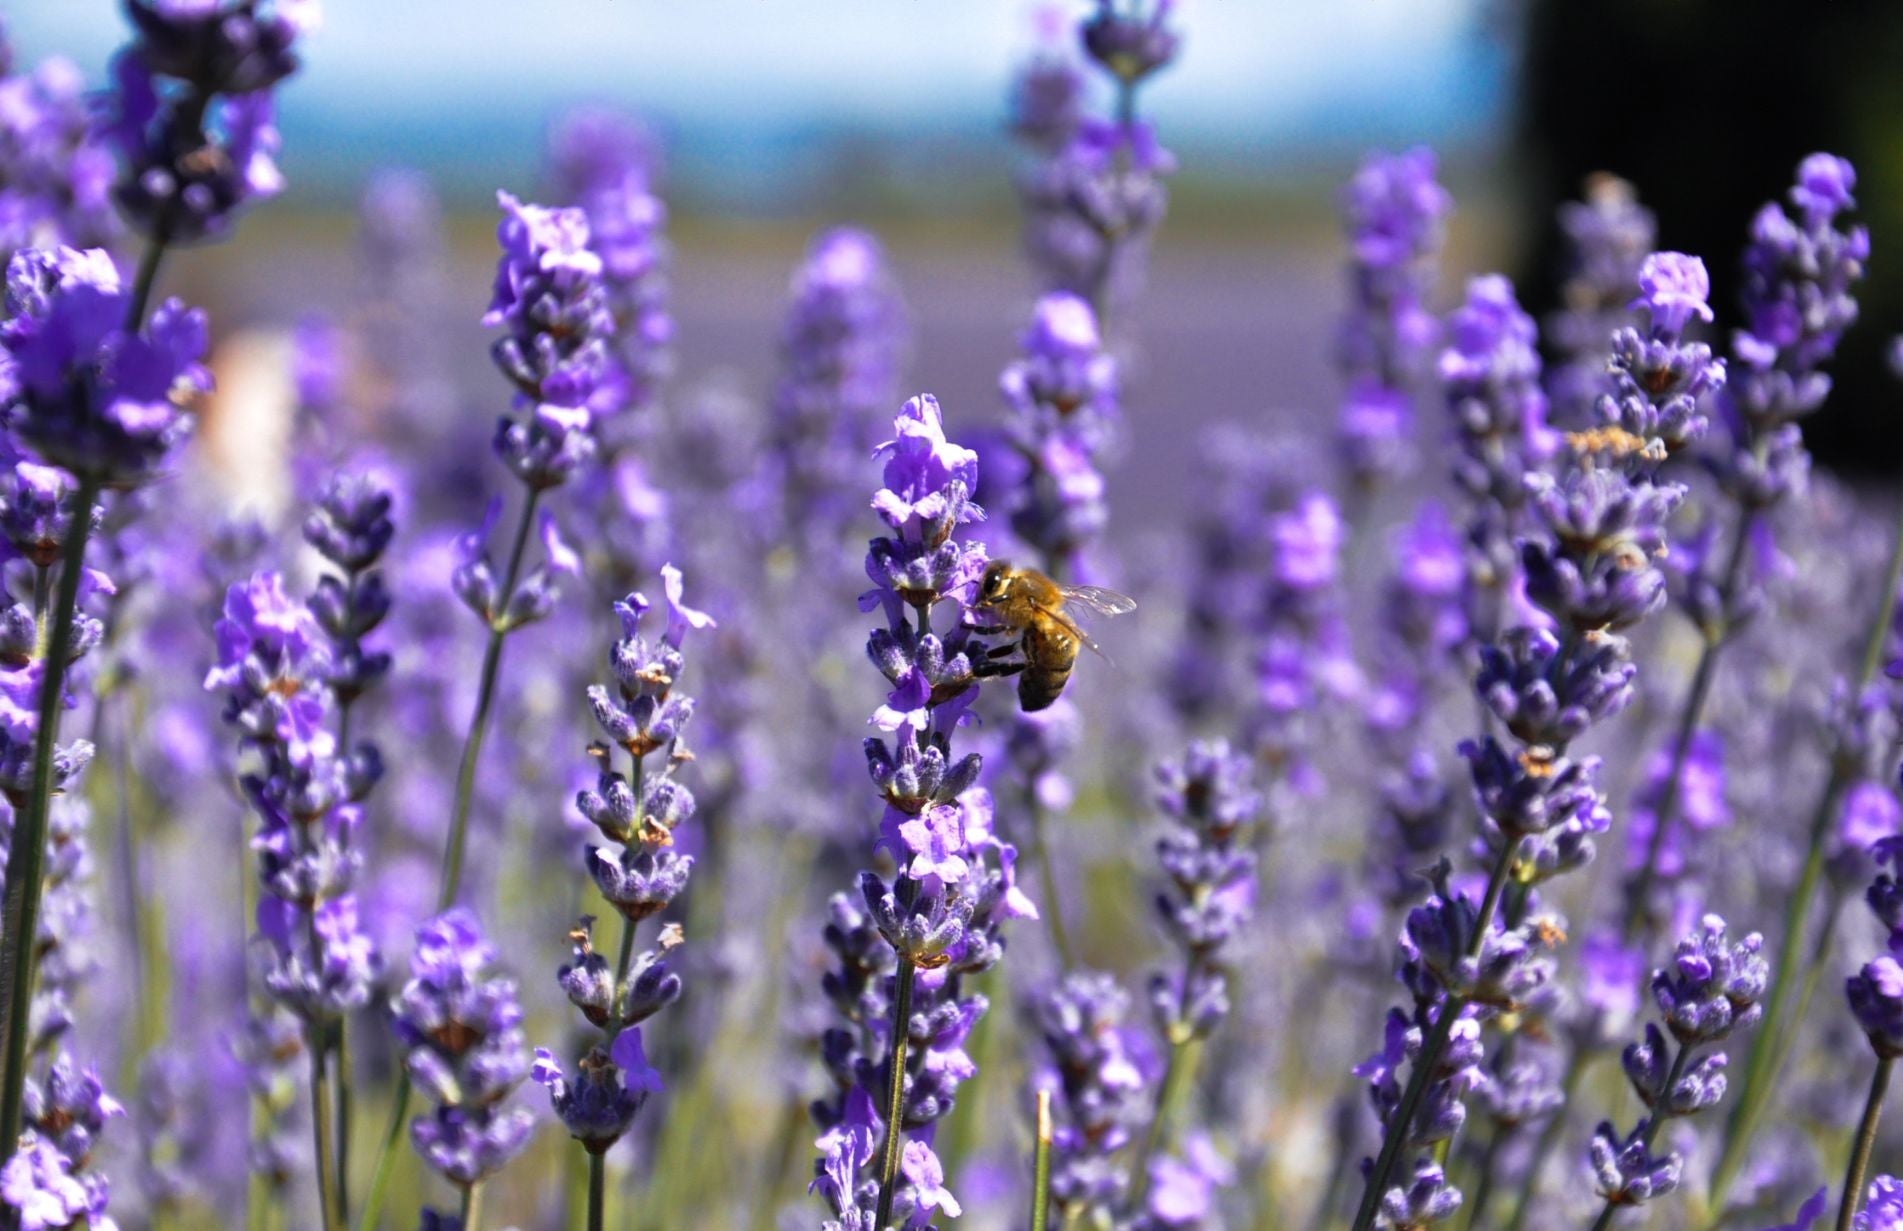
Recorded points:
(777, 117)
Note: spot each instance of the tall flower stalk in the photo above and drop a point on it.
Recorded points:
(275, 668)
(1395, 213)
(1589, 565)
(642, 716)
(1710, 991)
(460, 1025)
(897, 1057)
(90, 386)
(1208, 858)
(1094, 191)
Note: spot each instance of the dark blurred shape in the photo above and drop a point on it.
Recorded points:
(1708, 106)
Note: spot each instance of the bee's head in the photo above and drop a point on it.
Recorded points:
(995, 584)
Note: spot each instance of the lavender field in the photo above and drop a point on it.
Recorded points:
(1120, 718)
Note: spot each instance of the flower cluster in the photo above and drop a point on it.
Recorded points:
(839, 358)
(1061, 395)
(1097, 1077)
(1208, 895)
(1710, 991)
(461, 1030)
(85, 389)
(54, 1175)
(1607, 235)
(192, 114)
(552, 301)
(1094, 191)
(274, 667)
(1491, 371)
(1394, 211)
(56, 170)
(1876, 991)
(607, 167)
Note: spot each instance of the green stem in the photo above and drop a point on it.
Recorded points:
(1047, 882)
(895, 1095)
(1425, 1063)
(147, 276)
(28, 868)
(1548, 1138)
(1178, 1066)
(479, 721)
(327, 1211)
(472, 1207)
(597, 1190)
(1639, 891)
(386, 1157)
(1865, 1140)
(1483, 1181)
(1041, 1166)
(341, 1076)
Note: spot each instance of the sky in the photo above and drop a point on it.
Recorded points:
(464, 85)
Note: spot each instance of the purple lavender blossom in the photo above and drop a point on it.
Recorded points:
(608, 166)
(551, 298)
(461, 1027)
(192, 114)
(1097, 1082)
(1130, 40)
(839, 355)
(1608, 234)
(55, 167)
(643, 717)
(1394, 211)
(1883, 1206)
(86, 392)
(1491, 371)
(1062, 399)
(1091, 208)
(1208, 860)
(1711, 990)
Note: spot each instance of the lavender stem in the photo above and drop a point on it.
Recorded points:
(1047, 882)
(386, 1156)
(1866, 1140)
(1041, 1165)
(895, 1100)
(329, 1216)
(597, 1191)
(1762, 1063)
(472, 1206)
(28, 869)
(1702, 677)
(479, 721)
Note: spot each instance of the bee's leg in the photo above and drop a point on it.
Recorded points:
(999, 651)
(996, 670)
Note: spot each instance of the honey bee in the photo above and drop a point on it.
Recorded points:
(1026, 602)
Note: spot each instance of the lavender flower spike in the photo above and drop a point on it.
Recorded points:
(902, 1044)
(461, 1028)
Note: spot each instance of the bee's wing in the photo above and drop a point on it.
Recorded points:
(1100, 600)
(1062, 618)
